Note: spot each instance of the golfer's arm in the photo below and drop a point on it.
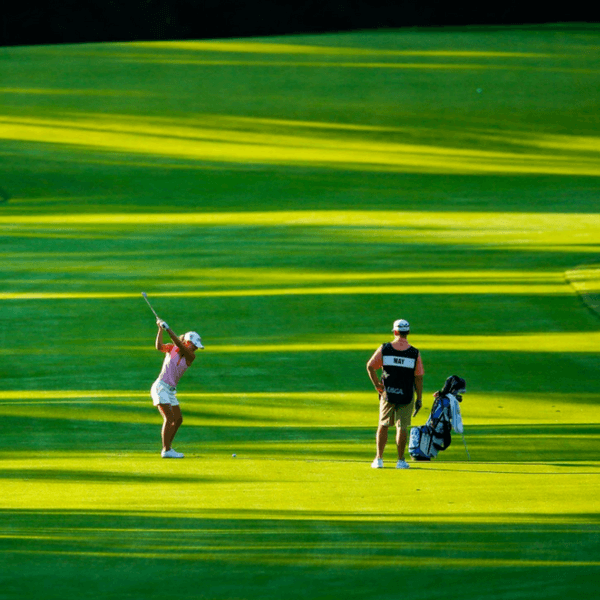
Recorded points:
(159, 341)
(180, 345)
(175, 339)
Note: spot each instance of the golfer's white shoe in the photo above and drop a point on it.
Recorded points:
(377, 464)
(171, 454)
(402, 464)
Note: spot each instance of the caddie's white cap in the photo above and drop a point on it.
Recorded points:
(401, 325)
(192, 336)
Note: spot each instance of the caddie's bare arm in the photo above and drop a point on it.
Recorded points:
(419, 390)
(372, 371)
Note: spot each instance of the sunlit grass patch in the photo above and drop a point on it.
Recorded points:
(259, 47)
(469, 223)
(556, 342)
(507, 289)
(185, 140)
(113, 263)
(292, 486)
(535, 231)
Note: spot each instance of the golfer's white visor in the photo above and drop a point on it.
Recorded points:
(192, 336)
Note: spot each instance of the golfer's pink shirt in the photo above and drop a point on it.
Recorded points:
(376, 361)
(174, 365)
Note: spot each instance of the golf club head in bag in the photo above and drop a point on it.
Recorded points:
(454, 385)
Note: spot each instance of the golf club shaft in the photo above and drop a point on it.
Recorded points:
(150, 305)
(465, 443)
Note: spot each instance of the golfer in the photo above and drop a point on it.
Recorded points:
(179, 356)
(402, 373)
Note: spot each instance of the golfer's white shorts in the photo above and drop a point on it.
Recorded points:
(163, 393)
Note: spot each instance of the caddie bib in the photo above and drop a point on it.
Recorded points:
(399, 373)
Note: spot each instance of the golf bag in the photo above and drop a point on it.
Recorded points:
(429, 439)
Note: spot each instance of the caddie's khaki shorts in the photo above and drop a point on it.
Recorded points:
(395, 414)
(163, 393)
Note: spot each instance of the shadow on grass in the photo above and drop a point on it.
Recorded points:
(570, 443)
(262, 554)
(81, 475)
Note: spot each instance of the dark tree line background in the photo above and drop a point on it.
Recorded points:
(77, 21)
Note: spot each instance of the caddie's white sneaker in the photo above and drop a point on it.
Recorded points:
(402, 464)
(171, 454)
(377, 463)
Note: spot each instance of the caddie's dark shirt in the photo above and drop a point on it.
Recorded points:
(399, 373)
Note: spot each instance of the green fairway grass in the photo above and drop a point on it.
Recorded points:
(289, 198)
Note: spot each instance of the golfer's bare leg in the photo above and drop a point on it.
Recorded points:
(382, 436)
(177, 421)
(166, 410)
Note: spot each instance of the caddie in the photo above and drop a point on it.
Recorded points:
(402, 374)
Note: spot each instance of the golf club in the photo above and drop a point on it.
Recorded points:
(150, 305)
(465, 443)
